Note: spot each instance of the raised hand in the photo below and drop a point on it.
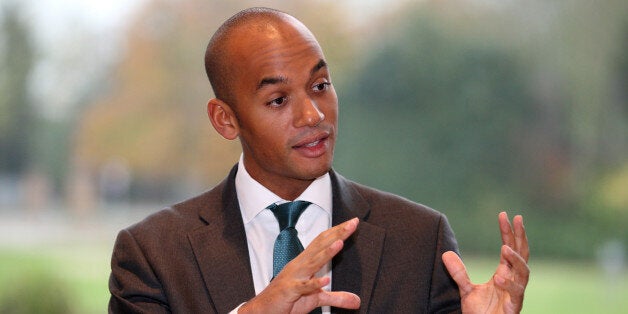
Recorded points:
(503, 293)
(296, 289)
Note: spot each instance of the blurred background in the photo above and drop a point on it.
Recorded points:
(468, 106)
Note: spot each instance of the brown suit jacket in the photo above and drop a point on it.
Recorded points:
(193, 257)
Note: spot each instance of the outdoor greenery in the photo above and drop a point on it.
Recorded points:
(469, 107)
(74, 280)
(474, 120)
(447, 103)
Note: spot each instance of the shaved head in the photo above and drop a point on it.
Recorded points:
(219, 64)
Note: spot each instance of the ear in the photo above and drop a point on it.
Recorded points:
(223, 118)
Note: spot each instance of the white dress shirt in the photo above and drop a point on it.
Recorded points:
(262, 228)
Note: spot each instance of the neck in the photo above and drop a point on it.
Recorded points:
(287, 189)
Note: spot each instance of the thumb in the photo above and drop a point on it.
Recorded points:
(457, 271)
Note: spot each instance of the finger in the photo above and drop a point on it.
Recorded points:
(310, 286)
(311, 264)
(521, 239)
(282, 293)
(518, 266)
(505, 229)
(513, 288)
(457, 271)
(322, 249)
(340, 299)
(331, 235)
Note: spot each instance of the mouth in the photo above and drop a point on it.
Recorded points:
(313, 146)
(312, 141)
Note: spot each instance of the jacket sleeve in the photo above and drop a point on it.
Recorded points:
(133, 285)
(444, 293)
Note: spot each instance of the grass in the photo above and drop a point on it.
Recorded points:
(560, 286)
(79, 275)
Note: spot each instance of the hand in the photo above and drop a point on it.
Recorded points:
(504, 292)
(296, 290)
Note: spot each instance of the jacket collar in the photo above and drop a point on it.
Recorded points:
(220, 248)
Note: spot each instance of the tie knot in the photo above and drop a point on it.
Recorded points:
(287, 214)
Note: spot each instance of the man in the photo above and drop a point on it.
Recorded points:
(366, 250)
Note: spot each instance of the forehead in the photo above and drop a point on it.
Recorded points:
(267, 49)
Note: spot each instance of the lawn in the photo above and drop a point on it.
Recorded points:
(79, 275)
(559, 286)
(76, 274)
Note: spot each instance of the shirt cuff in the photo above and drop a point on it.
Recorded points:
(235, 311)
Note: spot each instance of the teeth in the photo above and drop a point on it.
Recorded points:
(312, 144)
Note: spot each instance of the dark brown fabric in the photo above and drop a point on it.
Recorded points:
(193, 257)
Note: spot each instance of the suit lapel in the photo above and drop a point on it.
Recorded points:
(355, 268)
(221, 249)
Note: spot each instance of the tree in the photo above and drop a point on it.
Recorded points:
(18, 120)
(153, 115)
(478, 107)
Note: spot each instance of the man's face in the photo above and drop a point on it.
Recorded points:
(286, 107)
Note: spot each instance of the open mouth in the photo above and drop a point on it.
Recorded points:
(312, 144)
(313, 147)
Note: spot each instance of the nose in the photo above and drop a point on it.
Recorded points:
(309, 114)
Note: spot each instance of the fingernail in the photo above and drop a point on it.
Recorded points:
(352, 223)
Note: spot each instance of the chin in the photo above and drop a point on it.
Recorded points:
(312, 174)
(312, 168)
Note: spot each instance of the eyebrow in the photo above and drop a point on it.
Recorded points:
(321, 64)
(271, 80)
(282, 79)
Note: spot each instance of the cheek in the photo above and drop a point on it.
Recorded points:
(331, 102)
(267, 138)
(331, 111)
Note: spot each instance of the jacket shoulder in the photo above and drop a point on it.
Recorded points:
(179, 218)
(382, 201)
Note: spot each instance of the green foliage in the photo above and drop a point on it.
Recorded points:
(454, 111)
(17, 117)
(469, 107)
(443, 116)
(460, 123)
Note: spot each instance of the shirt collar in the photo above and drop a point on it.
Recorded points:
(253, 197)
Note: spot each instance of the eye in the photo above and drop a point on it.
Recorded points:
(277, 102)
(321, 86)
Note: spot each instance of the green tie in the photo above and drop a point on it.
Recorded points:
(287, 245)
